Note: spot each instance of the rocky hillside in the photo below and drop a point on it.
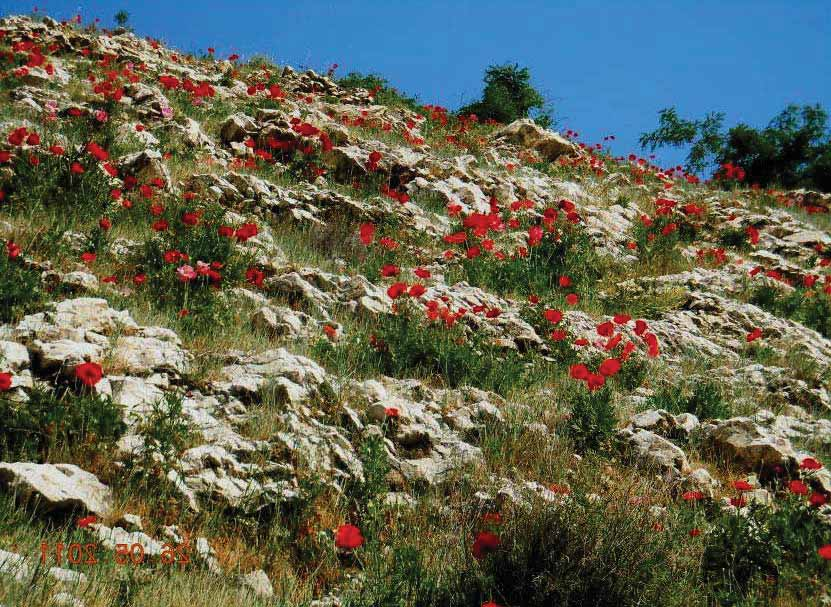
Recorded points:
(269, 340)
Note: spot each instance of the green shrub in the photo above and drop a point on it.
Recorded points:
(584, 552)
(165, 430)
(705, 398)
(56, 420)
(405, 345)
(373, 456)
(507, 96)
(571, 253)
(200, 243)
(592, 418)
(792, 151)
(384, 93)
(771, 550)
(810, 307)
(20, 289)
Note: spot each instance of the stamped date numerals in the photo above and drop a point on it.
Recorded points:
(124, 554)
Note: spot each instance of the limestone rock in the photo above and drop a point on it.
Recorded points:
(56, 488)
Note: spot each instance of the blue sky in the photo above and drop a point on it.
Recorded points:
(607, 66)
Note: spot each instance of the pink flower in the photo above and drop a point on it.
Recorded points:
(186, 273)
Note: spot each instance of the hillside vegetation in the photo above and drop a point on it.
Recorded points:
(270, 338)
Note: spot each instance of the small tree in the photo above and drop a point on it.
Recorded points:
(122, 17)
(703, 136)
(794, 150)
(508, 95)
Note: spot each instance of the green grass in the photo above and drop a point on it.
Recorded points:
(405, 345)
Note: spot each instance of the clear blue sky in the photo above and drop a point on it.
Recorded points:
(608, 66)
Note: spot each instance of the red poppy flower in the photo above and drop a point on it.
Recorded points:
(817, 499)
(621, 319)
(392, 412)
(609, 367)
(397, 289)
(389, 270)
(595, 381)
(578, 371)
(388, 243)
(558, 335)
(572, 299)
(809, 463)
(534, 236)
(76, 168)
(255, 277)
(825, 552)
(692, 496)
(695, 532)
(416, 291)
(605, 329)
(105, 224)
(651, 345)
(348, 537)
(738, 502)
(484, 544)
(88, 257)
(797, 487)
(754, 335)
(190, 219)
(553, 316)
(457, 238)
(564, 281)
(85, 522)
(89, 373)
(366, 233)
(330, 331)
(246, 231)
(742, 486)
(5, 382)
(13, 249)
(752, 235)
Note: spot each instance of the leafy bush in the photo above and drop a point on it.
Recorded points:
(52, 183)
(659, 240)
(507, 96)
(768, 551)
(20, 289)
(403, 345)
(56, 420)
(794, 150)
(705, 399)
(592, 419)
(383, 92)
(186, 245)
(812, 308)
(568, 253)
(581, 552)
(165, 430)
